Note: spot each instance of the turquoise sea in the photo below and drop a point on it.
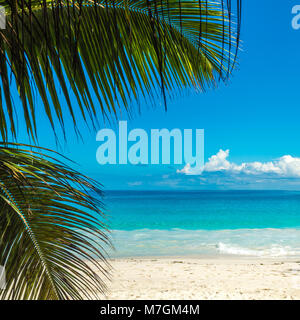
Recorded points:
(176, 223)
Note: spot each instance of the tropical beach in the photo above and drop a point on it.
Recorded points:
(149, 150)
(205, 244)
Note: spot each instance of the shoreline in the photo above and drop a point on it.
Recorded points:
(211, 257)
(204, 278)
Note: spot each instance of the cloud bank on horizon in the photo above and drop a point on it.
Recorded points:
(285, 166)
(220, 173)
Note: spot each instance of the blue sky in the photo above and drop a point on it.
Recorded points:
(256, 117)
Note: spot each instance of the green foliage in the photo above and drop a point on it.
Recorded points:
(52, 240)
(107, 54)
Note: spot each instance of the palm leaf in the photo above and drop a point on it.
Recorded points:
(107, 54)
(51, 225)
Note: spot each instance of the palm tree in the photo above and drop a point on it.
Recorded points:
(105, 56)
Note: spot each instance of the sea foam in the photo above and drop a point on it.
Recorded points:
(177, 242)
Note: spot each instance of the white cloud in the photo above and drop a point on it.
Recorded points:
(186, 169)
(218, 162)
(285, 166)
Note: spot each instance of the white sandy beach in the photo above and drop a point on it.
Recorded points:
(204, 278)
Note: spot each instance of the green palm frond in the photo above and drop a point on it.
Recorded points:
(51, 225)
(108, 54)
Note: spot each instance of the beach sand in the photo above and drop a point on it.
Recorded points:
(204, 278)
